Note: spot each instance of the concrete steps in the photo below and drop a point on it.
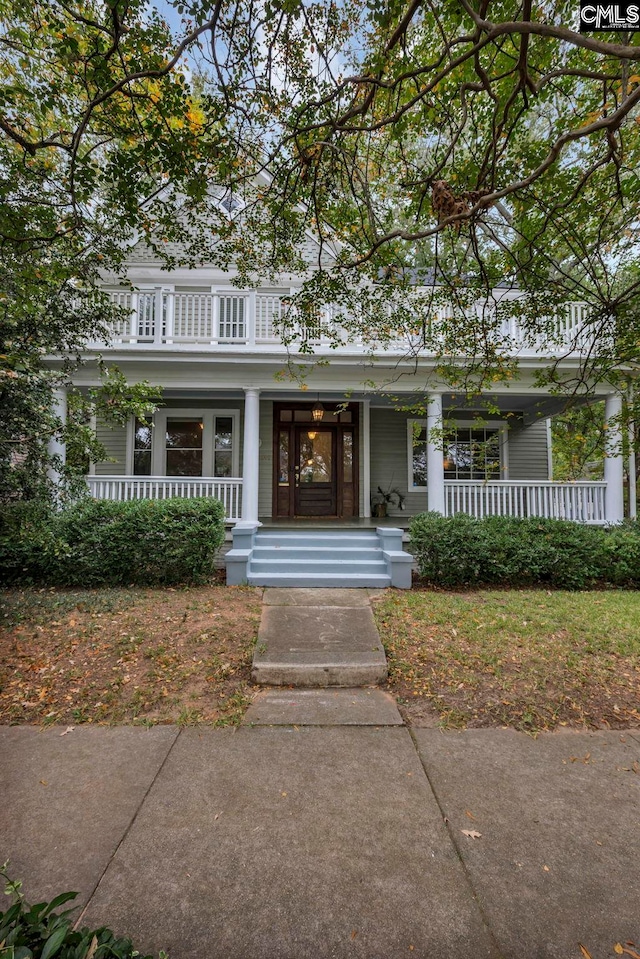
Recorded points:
(297, 558)
(344, 558)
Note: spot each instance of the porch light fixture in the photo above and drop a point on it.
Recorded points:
(317, 412)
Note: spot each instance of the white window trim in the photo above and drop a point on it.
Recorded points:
(159, 429)
(499, 425)
(219, 202)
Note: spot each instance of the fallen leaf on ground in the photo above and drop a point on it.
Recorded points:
(471, 833)
(585, 952)
(468, 813)
(69, 729)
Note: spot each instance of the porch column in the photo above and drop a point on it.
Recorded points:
(251, 456)
(633, 512)
(435, 465)
(613, 459)
(56, 447)
(366, 455)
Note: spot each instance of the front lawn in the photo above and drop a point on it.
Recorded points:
(529, 659)
(126, 655)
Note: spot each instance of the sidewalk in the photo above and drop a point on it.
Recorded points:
(302, 841)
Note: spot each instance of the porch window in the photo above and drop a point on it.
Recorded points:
(472, 454)
(223, 446)
(184, 447)
(186, 442)
(469, 452)
(142, 449)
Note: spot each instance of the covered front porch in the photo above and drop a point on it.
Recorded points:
(325, 463)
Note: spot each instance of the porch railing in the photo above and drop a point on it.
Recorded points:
(230, 318)
(228, 491)
(583, 502)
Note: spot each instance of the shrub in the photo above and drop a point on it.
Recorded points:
(622, 555)
(27, 536)
(103, 543)
(462, 551)
(38, 932)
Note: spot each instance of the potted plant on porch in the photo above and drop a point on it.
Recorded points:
(383, 498)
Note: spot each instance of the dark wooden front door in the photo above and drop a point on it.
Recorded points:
(315, 463)
(315, 477)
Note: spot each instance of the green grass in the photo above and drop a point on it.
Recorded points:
(531, 659)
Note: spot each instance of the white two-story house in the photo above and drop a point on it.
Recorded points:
(287, 461)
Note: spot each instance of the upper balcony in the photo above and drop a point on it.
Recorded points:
(230, 320)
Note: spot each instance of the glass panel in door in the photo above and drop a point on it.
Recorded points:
(316, 456)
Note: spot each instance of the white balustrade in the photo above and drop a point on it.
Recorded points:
(121, 488)
(225, 319)
(582, 501)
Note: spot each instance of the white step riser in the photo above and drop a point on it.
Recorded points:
(318, 541)
(319, 580)
(333, 567)
(314, 552)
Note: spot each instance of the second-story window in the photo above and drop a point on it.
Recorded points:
(184, 446)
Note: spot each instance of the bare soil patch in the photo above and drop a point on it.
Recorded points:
(127, 655)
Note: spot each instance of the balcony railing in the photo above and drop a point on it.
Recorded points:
(228, 491)
(231, 319)
(582, 502)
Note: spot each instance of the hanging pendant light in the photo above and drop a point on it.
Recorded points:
(317, 411)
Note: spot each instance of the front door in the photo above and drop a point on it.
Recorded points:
(315, 463)
(315, 479)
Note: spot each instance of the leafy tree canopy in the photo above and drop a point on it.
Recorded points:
(470, 142)
(100, 140)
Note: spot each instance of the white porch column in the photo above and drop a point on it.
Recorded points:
(56, 446)
(613, 459)
(366, 456)
(251, 456)
(633, 512)
(435, 466)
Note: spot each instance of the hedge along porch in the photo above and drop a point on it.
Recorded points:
(277, 457)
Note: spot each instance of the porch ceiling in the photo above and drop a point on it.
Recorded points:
(532, 406)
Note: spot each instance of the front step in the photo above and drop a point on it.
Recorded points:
(320, 580)
(349, 559)
(320, 645)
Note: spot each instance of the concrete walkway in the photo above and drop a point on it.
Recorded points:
(287, 842)
(318, 637)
